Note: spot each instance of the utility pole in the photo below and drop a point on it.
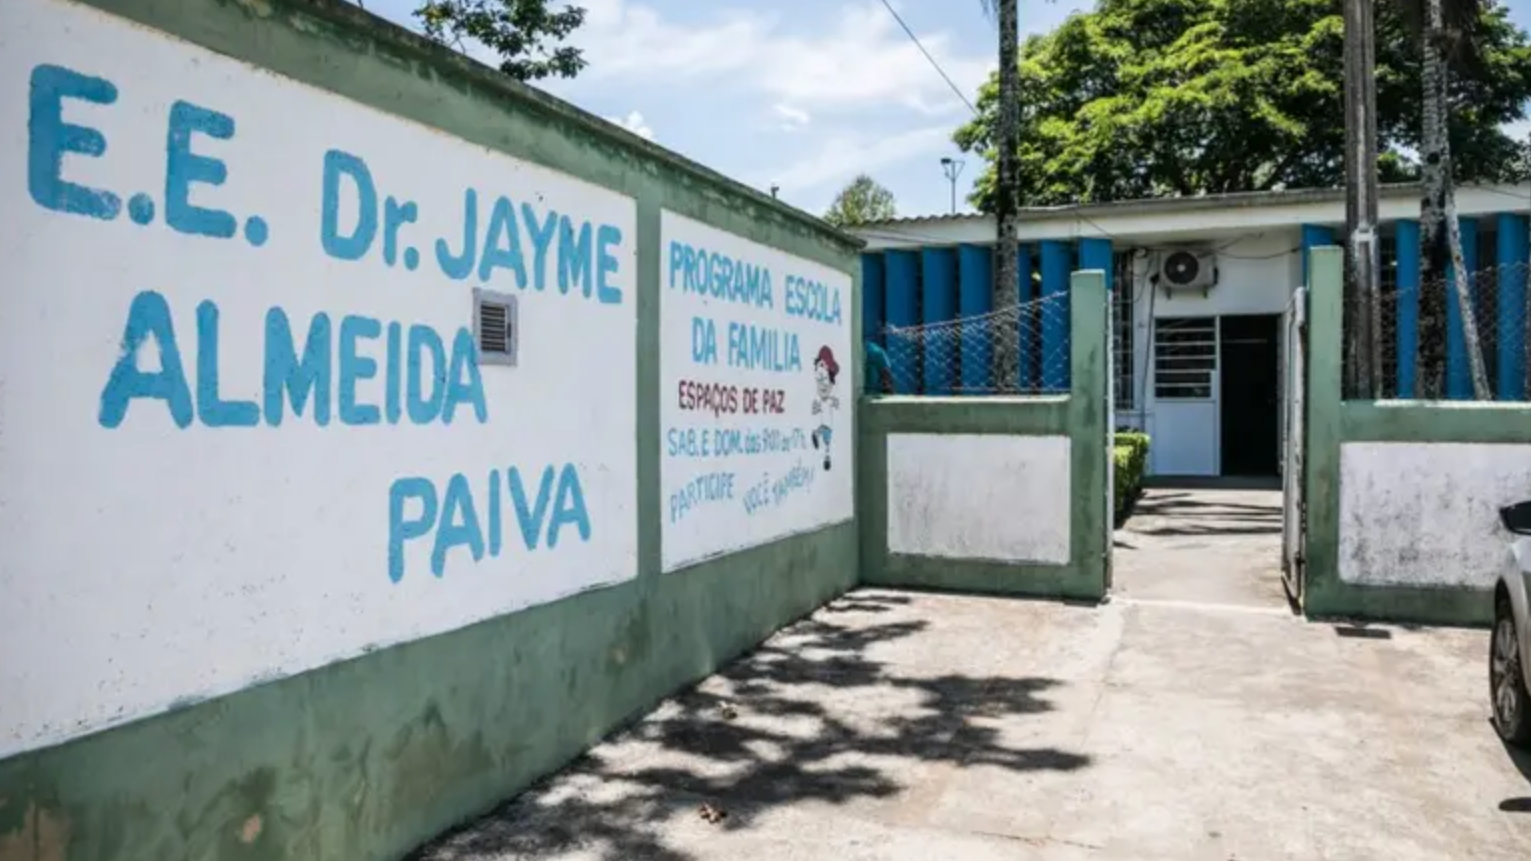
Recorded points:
(1006, 210)
(1363, 301)
(953, 169)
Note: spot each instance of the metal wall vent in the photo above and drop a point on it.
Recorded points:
(496, 327)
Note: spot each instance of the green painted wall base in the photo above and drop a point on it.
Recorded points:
(1081, 415)
(1336, 600)
(985, 577)
(368, 758)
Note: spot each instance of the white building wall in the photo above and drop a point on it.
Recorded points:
(1256, 275)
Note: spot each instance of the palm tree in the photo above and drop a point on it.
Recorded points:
(1006, 209)
(1447, 31)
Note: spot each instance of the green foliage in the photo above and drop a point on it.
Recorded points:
(1155, 98)
(519, 32)
(860, 202)
(1130, 454)
(1135, 440)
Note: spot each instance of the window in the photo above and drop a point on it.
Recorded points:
(1185, 357)
(495, 327)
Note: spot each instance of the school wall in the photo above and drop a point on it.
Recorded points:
(1403, 496)
(296, 561)
(1005, 495)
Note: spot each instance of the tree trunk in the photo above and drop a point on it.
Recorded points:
(1430, 379)
(1007, 246)
(1467, 310)
(1439, 210)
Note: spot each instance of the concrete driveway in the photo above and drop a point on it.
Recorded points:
(928, 727)
(1212, 543)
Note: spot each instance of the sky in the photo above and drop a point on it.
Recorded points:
(801, 94)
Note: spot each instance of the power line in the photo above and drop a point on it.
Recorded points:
(937, 66)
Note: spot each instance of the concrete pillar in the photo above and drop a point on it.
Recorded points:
(941, 348)
(975, 297)
(1322, 588)
(1090, 468)
(1510, 315)
(903, 279)
(1406, 243)
(1313, 236)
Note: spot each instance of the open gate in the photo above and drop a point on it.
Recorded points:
(1294, 437)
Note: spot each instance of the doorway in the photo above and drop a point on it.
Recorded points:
(1250, 412)
(1184, 418)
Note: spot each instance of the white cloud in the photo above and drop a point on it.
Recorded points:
(634, 123)
(791, 118)
(863, 60)
(841, 157)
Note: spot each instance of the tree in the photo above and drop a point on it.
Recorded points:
(861, 202)
(1449, 35)
(1155, 98)
(519, 32)
(1007, 203)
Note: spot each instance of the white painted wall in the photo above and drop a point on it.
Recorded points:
(979, 496)
(1427, 514)
(758, 380)
(1256, 275)
(153, 556)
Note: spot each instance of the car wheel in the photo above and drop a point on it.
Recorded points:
(1507, 680)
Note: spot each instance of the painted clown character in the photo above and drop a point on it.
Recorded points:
(825, 403)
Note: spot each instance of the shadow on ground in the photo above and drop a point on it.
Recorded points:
(809, 716)
(1522, 760)
(1173, 513)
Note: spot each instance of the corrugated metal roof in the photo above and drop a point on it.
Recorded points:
(1283, 197)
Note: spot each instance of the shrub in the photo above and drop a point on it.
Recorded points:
(1130, 454)
(1136, 440)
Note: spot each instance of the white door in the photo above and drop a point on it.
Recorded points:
(1184, 426)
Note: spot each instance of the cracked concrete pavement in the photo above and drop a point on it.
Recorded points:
(1209, 544)
(917, 726)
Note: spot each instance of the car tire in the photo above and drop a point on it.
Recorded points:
(1509, 701)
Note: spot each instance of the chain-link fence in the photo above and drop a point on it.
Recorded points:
(1019, 350)
(1426, 341)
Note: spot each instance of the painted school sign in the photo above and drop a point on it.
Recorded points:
(271, 433)
(757, 393)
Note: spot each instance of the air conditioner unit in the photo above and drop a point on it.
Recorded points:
(1186, 269)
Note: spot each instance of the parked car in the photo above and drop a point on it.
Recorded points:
(1510, 645)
